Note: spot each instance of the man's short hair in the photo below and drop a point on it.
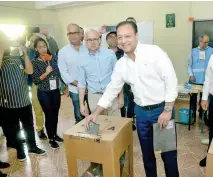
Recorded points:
(130, 18)
(112, 32)
(132, 24)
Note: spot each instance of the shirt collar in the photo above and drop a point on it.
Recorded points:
(203, 49)
(81, 45)
(119, 50)
(93, 54)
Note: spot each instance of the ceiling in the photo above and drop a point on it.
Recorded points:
(44, 4)
(60, 4)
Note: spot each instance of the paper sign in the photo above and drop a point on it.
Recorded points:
(53, 85)
(170, 125)
(202, 55)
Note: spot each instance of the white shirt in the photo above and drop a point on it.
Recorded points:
(208, 83)
(151, 77)
(68, 59)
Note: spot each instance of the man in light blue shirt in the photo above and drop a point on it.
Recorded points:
(68, 58)
(197, 64)
(95, 70)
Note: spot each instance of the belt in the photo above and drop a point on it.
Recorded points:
(154, 106)
(100, 93)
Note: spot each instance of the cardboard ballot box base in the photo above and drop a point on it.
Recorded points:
(209, 163)
(105, 149)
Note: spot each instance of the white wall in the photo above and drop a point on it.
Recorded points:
(175, 41)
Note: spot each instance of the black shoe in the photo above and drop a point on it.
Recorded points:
(42, 135)
(54, 144)
(37, 151)
(58, 139)
(4, 165)
(21, 156)
(203, 162)
(133, 127)
(3, 174)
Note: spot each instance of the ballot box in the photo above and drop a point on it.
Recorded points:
(106, 148)
(209, 164)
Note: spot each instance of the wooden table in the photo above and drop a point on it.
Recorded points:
(188, 93)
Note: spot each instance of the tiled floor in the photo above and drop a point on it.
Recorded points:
(190, 152)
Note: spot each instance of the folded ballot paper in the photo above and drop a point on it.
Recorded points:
(165, 139)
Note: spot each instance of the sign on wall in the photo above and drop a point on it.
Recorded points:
(170, 20)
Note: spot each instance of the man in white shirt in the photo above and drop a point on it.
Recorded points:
(151, 75)
(208, 93)
(68, 58)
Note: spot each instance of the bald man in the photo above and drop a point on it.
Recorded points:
(95, 69)
(197, 64)
(68, 58)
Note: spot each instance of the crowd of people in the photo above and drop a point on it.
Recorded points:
(99, 80)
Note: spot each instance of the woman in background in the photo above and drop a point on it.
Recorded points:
(46, 76)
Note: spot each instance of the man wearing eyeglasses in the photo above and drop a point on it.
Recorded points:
(68, 58)
(95, 70)
(197, 64)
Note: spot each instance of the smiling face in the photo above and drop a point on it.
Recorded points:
(73, 34)
(127, 38)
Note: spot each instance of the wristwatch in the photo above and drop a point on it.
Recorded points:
(168, 108)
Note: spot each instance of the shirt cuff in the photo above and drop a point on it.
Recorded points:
(103, 103)
(205, 96)
(82, 86)
(190, 74)
(170, 98)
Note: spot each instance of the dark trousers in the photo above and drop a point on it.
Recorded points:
(144, 121)
(50, 102)
(210, 120)
(194, 103)
(87, 101)
(130, 105)
(10, 121)
(128, 108)
(76, 105)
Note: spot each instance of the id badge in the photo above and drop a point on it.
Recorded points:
(53, 84)
(202, 55)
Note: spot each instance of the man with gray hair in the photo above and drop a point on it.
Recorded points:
(95, 69)
(197, 64)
